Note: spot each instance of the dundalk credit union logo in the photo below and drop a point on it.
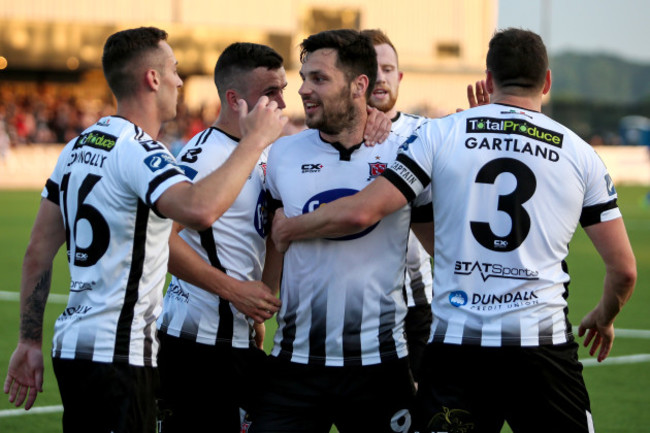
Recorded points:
(458, 298)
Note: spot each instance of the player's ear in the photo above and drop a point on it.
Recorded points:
(231, 99)
(360, 85)
(489, 82)
(547, 82)
(152, 79)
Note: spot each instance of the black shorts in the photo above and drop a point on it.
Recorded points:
(417, 327)
(189, 371)
(310, 399)
(101, 397)
(476, 389)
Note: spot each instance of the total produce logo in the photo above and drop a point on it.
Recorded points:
(524, 128)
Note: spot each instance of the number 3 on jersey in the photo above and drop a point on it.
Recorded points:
(100, 232)
(511, 204)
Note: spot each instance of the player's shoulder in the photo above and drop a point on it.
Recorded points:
(296, 140)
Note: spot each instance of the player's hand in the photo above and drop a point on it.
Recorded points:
(598, 335)
(260, 331)
(266, 121)
(477, 97)
(378, 127)
(254, 299)
(25, 374)
(277, 234)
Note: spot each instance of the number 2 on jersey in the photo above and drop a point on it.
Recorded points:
(90, 255)
(511, 204)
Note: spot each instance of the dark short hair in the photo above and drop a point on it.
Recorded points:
(378, 37)
(239, 58)
(517, 58)
(356, 53)
(122, 50)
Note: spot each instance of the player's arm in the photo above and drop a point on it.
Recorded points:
(425, 233)
(344, 216)
(25, 371)
(612, 243)
(199, 205)
(252, 298)
(272, 273)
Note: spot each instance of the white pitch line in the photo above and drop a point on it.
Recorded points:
(54, 298)
(32, 411)
(628, 359)
(631, 333)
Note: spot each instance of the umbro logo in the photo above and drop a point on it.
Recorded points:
(311, 168)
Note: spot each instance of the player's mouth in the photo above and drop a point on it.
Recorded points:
(310, 106)
(380, 93)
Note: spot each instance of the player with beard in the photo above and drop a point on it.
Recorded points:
(509, 187)
(339, 354)
(418, 286)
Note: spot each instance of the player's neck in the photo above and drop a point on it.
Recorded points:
(228, 123)
(142, 115)
(392, 113)
(533, 103)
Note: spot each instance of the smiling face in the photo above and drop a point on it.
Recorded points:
(326, 94)
(384, 95)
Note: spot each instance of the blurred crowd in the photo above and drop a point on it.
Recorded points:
(42, 115)
(47, 114)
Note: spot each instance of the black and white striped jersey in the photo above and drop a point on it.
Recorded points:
(106, 182)
(509, 188)
(342, 301)
(235, 244)
(418, 285)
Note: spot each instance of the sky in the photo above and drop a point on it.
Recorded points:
(618, 27)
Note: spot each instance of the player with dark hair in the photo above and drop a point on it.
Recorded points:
(509, 188)
(111, 198)
(206, 328)
(339, 354)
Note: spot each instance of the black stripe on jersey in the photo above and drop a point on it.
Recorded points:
(417, 287)
(352, 327)
(155, 183)
(400, 183)
(139, 133)
(568, 329)
(318, 328)
(387, 346)
(52, 191)
(125, 322)
(422, 214)
(205, 134)
(591, 214)
(471, 336)
(209, 244)
(439, 332)
(272, 203)
(545, 331)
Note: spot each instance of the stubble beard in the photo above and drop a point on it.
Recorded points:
(341, 116)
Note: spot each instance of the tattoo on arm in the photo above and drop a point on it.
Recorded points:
(31, 324)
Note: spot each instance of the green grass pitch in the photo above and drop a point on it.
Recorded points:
(619, 392)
